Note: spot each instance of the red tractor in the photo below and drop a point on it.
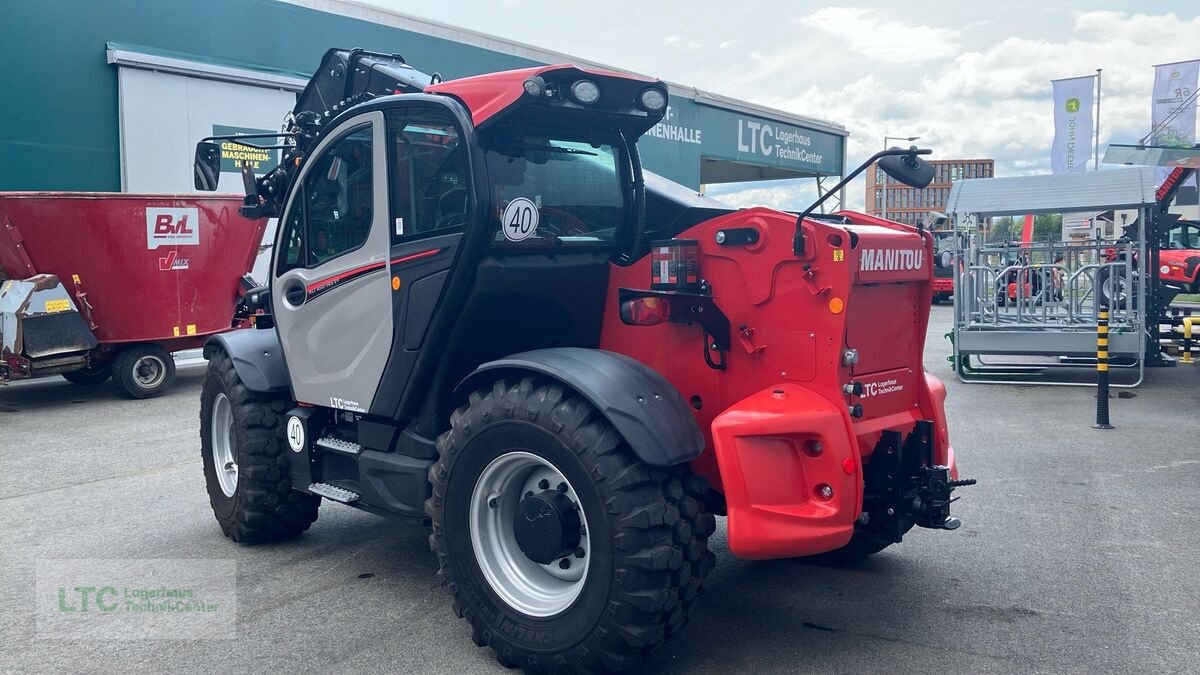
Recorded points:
(484, 317)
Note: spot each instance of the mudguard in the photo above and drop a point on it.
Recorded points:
(641, 405)
(257, 357)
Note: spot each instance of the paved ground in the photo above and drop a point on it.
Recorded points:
(1077, 554)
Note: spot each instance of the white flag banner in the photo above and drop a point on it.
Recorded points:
(1173, 115)
(1173, 110)
(1073, 106)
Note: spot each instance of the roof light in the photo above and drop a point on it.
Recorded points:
(534, 86)
(585, 91)
(652, 99)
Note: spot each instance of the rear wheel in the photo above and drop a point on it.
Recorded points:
(1111, 288)
(95, 372)
(560, 547)
(143, 371)
(247, 467)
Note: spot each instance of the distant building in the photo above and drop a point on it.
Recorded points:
(910, 205)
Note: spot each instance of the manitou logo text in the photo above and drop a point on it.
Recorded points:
(172, 262)
(892, 260)
(172, 227)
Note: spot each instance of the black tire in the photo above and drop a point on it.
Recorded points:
(647, 527)
(143, 371)
(263, 506)
(96, 372)
(1104, 293)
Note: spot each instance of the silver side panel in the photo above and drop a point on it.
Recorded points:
(337, 344)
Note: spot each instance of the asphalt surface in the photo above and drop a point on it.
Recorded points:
(1077, 553)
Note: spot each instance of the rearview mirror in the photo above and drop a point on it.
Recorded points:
(908, 169)
(207, 166)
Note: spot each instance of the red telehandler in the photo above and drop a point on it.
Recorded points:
(483, 316)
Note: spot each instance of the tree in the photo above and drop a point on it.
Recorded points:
(1047, 226)
(1002, 229)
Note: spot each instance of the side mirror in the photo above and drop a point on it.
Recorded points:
(207, 166)
(908, 169)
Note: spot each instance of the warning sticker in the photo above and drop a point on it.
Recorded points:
(839, 255)
(520, 219)
(61, 305)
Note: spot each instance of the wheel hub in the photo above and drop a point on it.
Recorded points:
(546, 526)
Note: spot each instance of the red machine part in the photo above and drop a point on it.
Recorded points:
(143, 268)
(785, 446)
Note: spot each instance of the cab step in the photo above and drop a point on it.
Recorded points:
(334, 444)
(334, 492)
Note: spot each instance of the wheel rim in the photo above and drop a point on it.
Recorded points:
(149, 371)
(524, 584)
(222, 445)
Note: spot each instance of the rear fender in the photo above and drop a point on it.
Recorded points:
(641, 405)
(257, 357)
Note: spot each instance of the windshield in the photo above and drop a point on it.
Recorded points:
(573, 189)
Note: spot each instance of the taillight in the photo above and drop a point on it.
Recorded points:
(645, 311)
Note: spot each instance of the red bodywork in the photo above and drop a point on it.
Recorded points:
(142, 268)
(1180, 268)
(776, 420)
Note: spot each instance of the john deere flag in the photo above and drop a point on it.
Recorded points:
(1173, 114)
(1073, 105)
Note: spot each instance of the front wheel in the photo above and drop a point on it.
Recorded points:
(92, 374)
(560, 547)
(247, 467)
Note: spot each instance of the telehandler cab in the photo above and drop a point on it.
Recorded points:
(484, 315)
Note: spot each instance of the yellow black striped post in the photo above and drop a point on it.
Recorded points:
(1102, 370)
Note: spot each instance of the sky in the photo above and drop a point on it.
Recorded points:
(971, 79)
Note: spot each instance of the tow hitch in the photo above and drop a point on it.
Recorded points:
(905, 488)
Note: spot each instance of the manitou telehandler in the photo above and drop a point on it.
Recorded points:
(484, 316)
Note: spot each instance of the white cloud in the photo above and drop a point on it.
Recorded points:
(871, 34)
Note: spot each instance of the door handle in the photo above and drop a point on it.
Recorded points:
(295, 293)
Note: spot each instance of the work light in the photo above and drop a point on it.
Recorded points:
(585, 91)
(652, 99)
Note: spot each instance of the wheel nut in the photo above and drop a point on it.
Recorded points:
(543, 484)
(564, 564)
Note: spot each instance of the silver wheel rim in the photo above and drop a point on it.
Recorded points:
(525, 585)
(149, 372)
(222, 445)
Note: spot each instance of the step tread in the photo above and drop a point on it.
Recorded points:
(334, 492)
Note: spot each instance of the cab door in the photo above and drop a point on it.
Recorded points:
(330, 290)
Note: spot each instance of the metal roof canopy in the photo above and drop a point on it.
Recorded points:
(1060, 193)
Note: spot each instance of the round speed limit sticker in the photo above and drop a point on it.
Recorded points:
(520, 219)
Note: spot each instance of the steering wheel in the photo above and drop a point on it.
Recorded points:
(569, 223)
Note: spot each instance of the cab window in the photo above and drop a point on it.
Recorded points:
(429, 181)
(332, 210)
(577, 187)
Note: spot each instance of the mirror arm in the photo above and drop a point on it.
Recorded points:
(798, 239)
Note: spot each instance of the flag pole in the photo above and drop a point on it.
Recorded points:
(1097, 158)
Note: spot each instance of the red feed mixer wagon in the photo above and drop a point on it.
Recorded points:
(99, 285)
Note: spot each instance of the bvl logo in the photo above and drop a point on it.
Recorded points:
(172, 227)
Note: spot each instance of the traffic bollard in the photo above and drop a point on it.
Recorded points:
(1102, 371)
